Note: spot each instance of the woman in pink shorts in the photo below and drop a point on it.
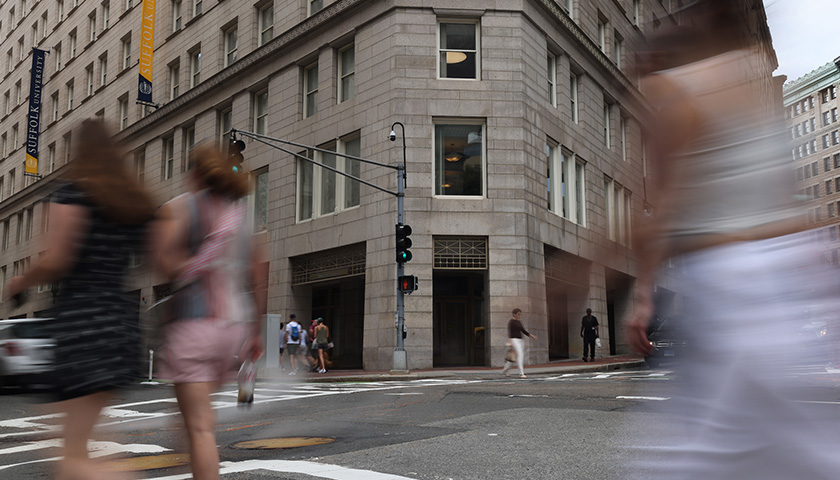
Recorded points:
(204, 246)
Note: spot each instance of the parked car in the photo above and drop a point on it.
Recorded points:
(26, 353)
(667, 340)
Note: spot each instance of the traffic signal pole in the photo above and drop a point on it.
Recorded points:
(400, 361)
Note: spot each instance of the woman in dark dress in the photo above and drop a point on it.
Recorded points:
(96, 221)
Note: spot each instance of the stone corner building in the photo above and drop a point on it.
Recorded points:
(525, 152)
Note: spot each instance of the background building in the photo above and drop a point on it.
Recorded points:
(811, 110)
(525, 152)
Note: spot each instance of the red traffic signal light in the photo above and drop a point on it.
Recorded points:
(407, 283)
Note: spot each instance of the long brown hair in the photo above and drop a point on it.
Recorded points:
(215, 171)
(98, 167)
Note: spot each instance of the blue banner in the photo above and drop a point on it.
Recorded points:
(33, 121)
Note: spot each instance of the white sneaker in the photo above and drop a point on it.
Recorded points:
(292, 373)
(322, 371)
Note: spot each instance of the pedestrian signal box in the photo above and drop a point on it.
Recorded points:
(407, 283)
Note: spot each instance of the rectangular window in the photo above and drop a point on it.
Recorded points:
(828, 187)
(833, 115)
(140, 166)
(54, 100)
(14, 137)
(261, 200)
(195, 68)
(89, 79)
(573, 96)
(827, 164)
(637, 12)
(187, 146)
(835, 137)
(123, 107)
(92, 27)
(68, 145)
(618, 49)
(551, 78)
(196, 7)
(50, 159)
(260, 108)
(125, 48)
(314, 6)
(60, 8)
(602, 33)
(320, 191)
(607, 121)
(27, 232)
(230, 46)
(225, 124)
(103, 70)
(18, 93)
(825, 141)
(346, 73)
(565, 183)
(459, 160)
(106, 15)
(57, 53)
(73, 45)
(266, 24)
(622, 126)
(174, 82)
(6, 229)
(168, 158)
(176, 15)
(70, 94)
(310, 91)
(458, 50)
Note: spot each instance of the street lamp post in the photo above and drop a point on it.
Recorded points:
(400, 361)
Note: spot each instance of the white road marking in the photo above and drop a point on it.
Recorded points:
(633, 397)
(404, 393)
(96, 449)
(818, 402)
(314, 469)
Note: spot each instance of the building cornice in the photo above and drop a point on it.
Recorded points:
(814, 80)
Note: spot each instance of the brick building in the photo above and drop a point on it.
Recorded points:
(525, 152)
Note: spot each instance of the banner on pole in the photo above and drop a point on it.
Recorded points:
(147, 47)
(33, 120)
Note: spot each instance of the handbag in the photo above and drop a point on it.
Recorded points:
(330, 345)
(510, 355)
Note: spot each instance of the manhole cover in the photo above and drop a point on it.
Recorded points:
(152, 462)
(287, 442)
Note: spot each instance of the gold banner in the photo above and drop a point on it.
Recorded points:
(147, 50)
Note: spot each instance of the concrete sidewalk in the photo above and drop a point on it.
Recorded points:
(618, 362)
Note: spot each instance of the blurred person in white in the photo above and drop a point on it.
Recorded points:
(98, 218)
(726, 211)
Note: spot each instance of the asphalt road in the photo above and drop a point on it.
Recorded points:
(573, 426)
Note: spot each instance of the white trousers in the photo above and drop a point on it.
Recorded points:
(519, 348)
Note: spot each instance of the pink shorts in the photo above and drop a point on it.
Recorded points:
(202, 350)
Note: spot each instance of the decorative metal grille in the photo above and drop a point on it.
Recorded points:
(337, 263)
(460, 253)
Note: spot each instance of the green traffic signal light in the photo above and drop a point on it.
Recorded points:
(403, 243)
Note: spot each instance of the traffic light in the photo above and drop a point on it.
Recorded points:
(407, 283)
(235, 148)
(403, 243)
